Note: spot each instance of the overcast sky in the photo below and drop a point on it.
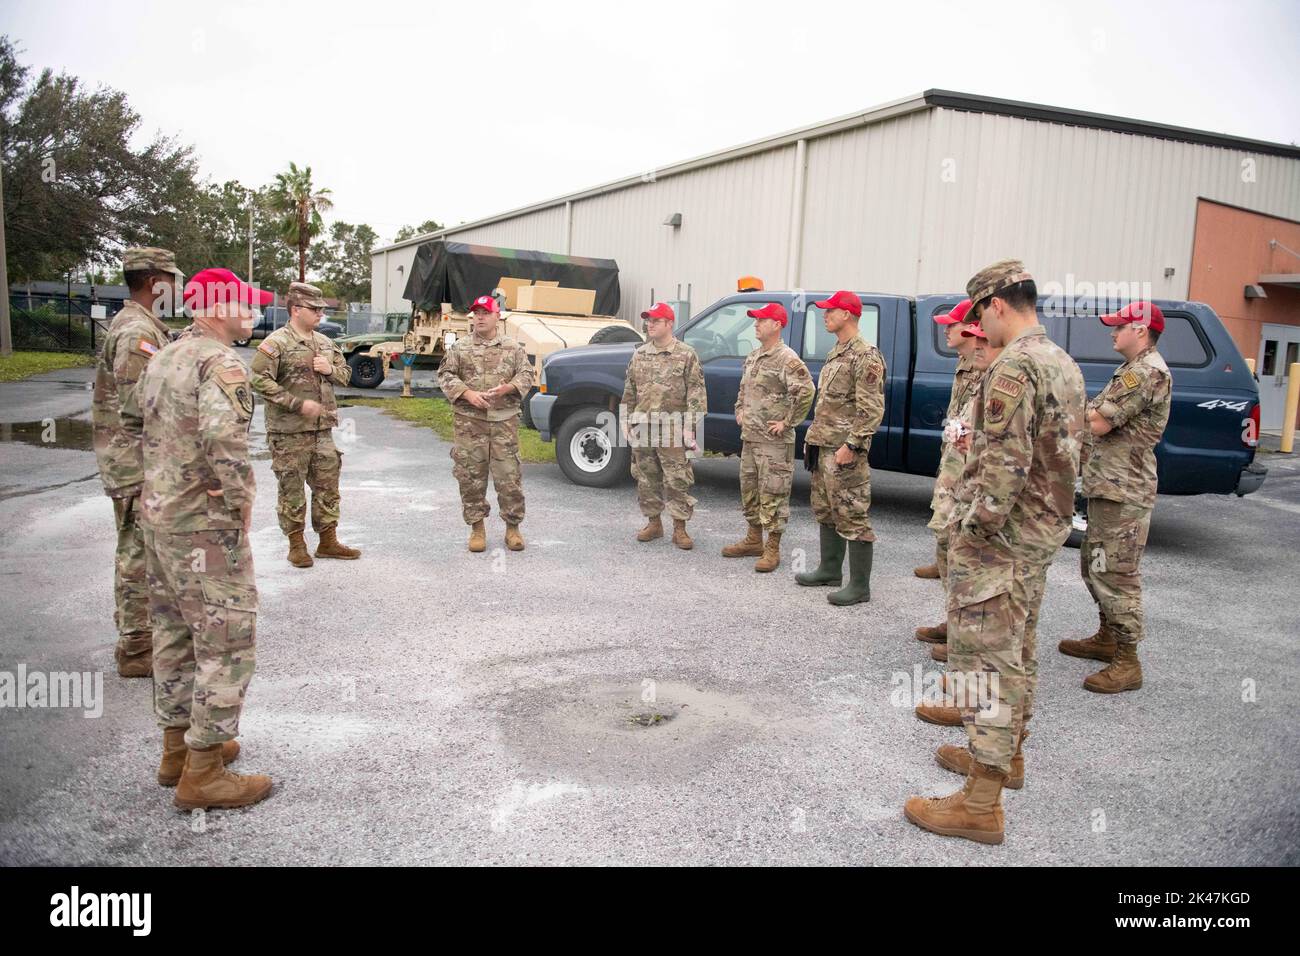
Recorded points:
(454, 111)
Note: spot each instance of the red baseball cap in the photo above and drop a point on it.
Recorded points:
(975, 332)
(661, 310)
(957, 314)
(1138, 313)
(211, 286)
(773, 310)
(843, 300)
(485, 302)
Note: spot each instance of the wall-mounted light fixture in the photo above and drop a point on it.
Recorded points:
(675, 220)
(1255, 292)
(1169, 272)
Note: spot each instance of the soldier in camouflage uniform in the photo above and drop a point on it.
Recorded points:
(135, 336)
(1013, 512)
(486, 376)
(295, 370)
(1125, 421)
(850, 407)
(775, 394)
(196, 507)
(664, 401)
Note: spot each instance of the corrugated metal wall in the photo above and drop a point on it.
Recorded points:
(543, 229)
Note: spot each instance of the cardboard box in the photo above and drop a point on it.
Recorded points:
(537, 298)
(511, 286)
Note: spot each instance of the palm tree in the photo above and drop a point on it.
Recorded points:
(300, 210)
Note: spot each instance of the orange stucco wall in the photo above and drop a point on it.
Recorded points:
(1231, 250)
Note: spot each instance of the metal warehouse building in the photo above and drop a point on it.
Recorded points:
(913, 196)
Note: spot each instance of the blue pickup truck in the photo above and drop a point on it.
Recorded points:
(1208, 447)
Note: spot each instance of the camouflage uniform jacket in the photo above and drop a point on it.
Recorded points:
(667, 379)
(475, 364)
(1121, 465)
(197, 405)
(851, 396)
(283, 375)
(1018, 483)
(965, 384)
(774, 386)
(134, 337)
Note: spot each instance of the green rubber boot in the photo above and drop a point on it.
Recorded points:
(859, 588)
(831, 569)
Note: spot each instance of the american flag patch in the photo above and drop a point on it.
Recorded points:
(147, 347)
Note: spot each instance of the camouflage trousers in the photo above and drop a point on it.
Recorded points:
(841, 495)
(310, 459)
(481, 449)
(766, 475)
(204, 603)
(941, 541)
(664, 473)
(1109, 558)
(994, 598)
(130, 581)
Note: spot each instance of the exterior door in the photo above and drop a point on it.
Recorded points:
(1279, 350)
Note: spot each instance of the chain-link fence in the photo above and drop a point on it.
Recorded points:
(50, 322)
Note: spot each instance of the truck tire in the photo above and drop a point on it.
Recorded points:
(1080, 529)
(367, 371)
(614, 333)
(243, 343)
(585, 453)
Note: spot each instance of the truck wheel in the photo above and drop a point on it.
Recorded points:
(614, 333)
(243, 343)
(1080, 528)
(367, 371)
(525, 412)
(586, 455)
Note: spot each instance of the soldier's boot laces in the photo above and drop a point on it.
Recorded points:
(830, 570)
(751, 546)
(134, 655)
(654, 528)
(1100, 647)
(298, 554)
(1121, 674)
(477, 537)
(175, 752)
(206, 783)
(928, 571)
(933, 635)
(958, 760)
(514, 540)
(771, 559)
(939, 652)
(974, 812)
(680, 537)
(331, 547)
(858, 590)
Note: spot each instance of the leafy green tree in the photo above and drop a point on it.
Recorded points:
(343, 261)
(410, 232)
(298, 204)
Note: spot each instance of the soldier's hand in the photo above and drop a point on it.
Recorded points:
(776, 429)
(844, 455)
(310, 409)
(962, 444)
(688, 439)
(476, 399)
(322, 365)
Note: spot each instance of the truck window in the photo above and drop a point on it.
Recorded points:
(817, 342)
(1180, 343)
(727, 333)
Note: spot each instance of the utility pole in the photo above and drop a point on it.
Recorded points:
(6, 335)
(250, 242)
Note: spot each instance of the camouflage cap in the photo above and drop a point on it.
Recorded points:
(150, 259)
(993, 279)
(300, 293)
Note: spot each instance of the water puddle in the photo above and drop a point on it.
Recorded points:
(74, 433)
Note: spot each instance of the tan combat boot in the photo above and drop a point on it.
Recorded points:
(1099, 647)
(751, 546)
(929, 571)
(680, 537)
(477, 537)
(939, 652)
(771, 559)
(958, 760)
(134, 655)
(1121, 674)
(175, 752)
(514, 540)
(206, 783)
(298, 555)
(974, 812)
(654, 528)
(331, 547)
(933, 635)
(940, 714)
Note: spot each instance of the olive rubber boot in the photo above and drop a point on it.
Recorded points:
(1100, 647)
(175, 752)
(974, 812)
(134, 655)
(930, 572)
(831, 569)
(958, 760)
(1121, 674)
(750, 547)
(654, 528)
(477, 537)
(680, 537)
(933, 635)
(939, 652)
(206, 783)
(331, 547)
(858, 590)
(298, 555)
(771, 559)
(514, 540)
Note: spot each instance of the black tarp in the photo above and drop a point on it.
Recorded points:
(460, 272)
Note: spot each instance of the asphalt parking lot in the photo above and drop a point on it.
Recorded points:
(426, 705)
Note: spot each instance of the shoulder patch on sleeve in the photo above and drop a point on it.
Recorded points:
(1130, 380)
(145, 347)
(268, 348)
(232, 374)
(1007, 386)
